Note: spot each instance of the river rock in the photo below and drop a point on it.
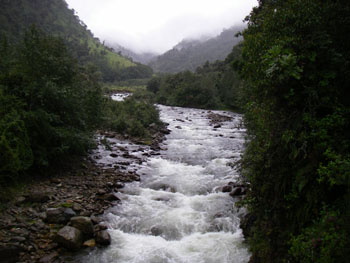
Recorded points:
(59, 215)
(119, 185)
(84, 224)
(109, 197)
(69, 237)
(237, 191)
(156, 231)
(227, 189)
(77, 207)
(103, 238)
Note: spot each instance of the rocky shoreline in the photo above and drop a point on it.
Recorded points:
(58, 215)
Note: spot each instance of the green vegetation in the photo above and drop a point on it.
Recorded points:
(212, 86)
(54, 18)
(295, 64)
(190, 54)
(50, 105)
(134, 116)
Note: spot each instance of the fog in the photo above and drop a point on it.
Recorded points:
(157, 25)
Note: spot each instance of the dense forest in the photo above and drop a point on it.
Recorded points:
(55, 18)
(212, 86)
(295, 63)
(190, 54)
(50, 90)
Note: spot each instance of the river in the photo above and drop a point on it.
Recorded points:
(178, 213)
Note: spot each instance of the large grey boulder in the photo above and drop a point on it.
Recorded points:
(84, 224)
(70, 238)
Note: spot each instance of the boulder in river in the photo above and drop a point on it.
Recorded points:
(103, 238)
(227, 189)
(70, 238)
(237, 191)
(84, 224)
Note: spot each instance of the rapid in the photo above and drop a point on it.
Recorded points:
(177, 212)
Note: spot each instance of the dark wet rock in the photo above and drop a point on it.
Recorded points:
(178, 127)
(217, 119)
(163, 187)
(9, 253)
(109, 197)
(49, 258)
(227, 189)
(217, 126)
(119, 185)
(96, 219)
(77, 207)
(156, 231)
(69, 213)
(37, 197)
(101, 192)
(180, 120)
(69, 237)
(103, 238)
(237, 191)
(162, 199)
(84, 224)
(114, 155)
(59, 215)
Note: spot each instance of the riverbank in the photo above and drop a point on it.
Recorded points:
(31, 221)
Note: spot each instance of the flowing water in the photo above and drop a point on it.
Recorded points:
(177, 213)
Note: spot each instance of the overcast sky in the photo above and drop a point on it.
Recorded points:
(158, 25)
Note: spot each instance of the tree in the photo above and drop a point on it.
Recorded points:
(295, 61)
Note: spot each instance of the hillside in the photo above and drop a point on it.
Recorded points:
(190, 54)
(55, 18)
(143, 58)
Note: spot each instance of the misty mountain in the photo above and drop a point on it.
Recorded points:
(190, 54)
(143, 58)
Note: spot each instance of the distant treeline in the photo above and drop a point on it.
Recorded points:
(213, 86)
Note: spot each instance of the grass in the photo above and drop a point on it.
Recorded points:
(113, 58)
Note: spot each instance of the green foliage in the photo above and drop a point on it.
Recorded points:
(294, 65)
(55, 18)
(132, 116)
(50, 105)
(213, 86)
(324, 241)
